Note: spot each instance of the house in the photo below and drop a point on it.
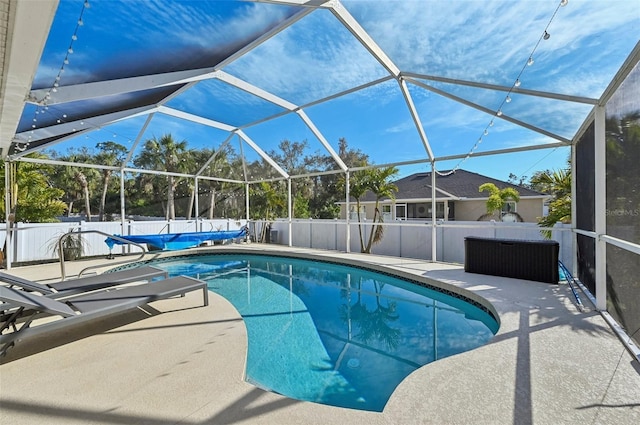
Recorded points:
(457, 198)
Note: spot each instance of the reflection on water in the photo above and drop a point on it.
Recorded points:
(334, 334)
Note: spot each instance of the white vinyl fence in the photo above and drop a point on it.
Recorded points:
(37, 241)
(412, 239)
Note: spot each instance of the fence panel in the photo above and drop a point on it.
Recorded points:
(36, 242)
(323, 234)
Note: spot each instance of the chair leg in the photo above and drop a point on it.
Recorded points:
(205, 294)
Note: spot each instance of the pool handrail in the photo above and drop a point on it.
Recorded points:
(79, 232)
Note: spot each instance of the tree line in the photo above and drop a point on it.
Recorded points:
(42, 192)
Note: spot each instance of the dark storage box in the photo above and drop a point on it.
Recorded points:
(530, 260)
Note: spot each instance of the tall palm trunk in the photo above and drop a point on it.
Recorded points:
(192, 199)
(82, 179)
(103, 198)
(171, 207)
(377, 231)
(212, 204)
(362, 247)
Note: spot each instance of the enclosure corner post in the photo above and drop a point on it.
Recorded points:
(290, 211)
(600, 209)
(348, 224)
(434, 245)
(8, 244)
(196, 203)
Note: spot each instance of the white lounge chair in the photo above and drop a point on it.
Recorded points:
(82, 308)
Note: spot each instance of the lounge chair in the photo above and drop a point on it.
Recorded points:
(87, 283)
(84, 307)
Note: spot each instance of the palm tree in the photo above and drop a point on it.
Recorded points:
(165, 154)
(381, 186)
(558, 185)
(358, 186)
(377, 181)
(269, 202)
(84, 184)
(220, 167)
(33, 199)
(111, 154)
(77, 182)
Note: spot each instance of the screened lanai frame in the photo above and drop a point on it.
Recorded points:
(25, 93)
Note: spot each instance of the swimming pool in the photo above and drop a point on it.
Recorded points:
(334, 334)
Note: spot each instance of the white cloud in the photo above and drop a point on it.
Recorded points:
(313, 59)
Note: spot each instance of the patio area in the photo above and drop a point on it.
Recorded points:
(177, 362)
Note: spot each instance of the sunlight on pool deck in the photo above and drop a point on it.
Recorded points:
(548, 364)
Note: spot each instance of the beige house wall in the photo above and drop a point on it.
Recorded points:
(368, 206)
(470, 210)
(529, 209)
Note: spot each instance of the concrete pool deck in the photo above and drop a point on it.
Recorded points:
(176, 362)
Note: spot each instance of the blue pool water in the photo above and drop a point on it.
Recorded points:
(333, 334)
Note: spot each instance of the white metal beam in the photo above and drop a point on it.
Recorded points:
(75, 92)
(434, 242)
(625, 69)
(307, 3)
(262, 153)
(28, 27)
(125, 85)
(341, 13)
(322, 139)
(137, 141)
(512, 89)
(215, 154)
(491, 112)
(195, 118)
(503, 151)
(600, 206)
(256, 91)
(415, 117)
(75, 128)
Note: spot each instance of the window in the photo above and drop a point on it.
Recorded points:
(354, 216)
(386, 213)
(509, 211)
(509, 207)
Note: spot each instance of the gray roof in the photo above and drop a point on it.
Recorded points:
(461, 184)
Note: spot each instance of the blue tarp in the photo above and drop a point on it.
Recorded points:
(169, 241)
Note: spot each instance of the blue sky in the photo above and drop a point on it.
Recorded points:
(481, 41)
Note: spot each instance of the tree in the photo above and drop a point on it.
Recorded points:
(269, 202)
(78, 183)
(219, 166)
(357, 188)
(164, 154)
(518, 181)
(376, 180)
(379, 183)
(33, 199)
(111, 154)
(293, 160)
(497, 199)
(558, 185)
